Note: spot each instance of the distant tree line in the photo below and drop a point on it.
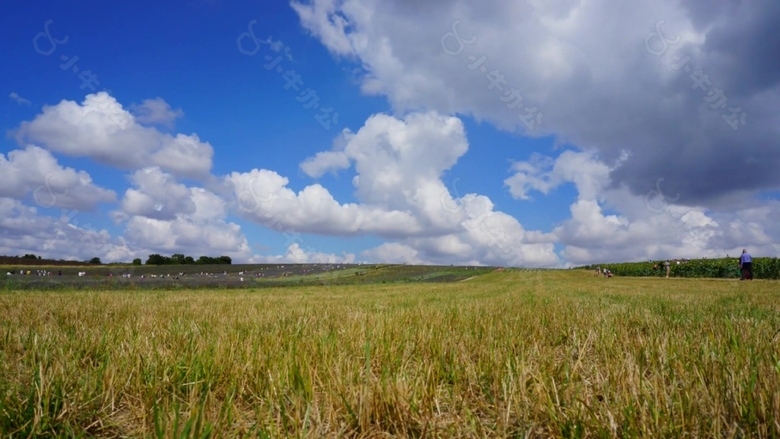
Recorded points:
(180, 259)
(155, 259)
(32, 256)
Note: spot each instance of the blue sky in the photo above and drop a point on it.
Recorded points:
(423, 130)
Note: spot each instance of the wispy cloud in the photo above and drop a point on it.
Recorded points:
(156, 111)
(18, 99)
(278, 46)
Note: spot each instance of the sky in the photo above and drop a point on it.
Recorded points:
(531, 133)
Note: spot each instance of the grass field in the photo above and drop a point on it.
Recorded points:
(507, 354)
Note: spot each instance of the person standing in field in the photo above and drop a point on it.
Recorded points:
(746, 264)
(667, 265)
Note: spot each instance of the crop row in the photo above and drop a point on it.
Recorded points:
(763, 268)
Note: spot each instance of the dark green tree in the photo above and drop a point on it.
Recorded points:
(155, 259)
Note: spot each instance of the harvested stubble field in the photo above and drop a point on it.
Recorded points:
(508, 354)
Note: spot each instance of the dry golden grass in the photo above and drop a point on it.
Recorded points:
(534, 354)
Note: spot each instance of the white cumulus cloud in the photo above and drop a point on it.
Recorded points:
(101, 129)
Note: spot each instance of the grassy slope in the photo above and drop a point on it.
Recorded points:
(273, 275)
(561, 353)
(381, 274)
